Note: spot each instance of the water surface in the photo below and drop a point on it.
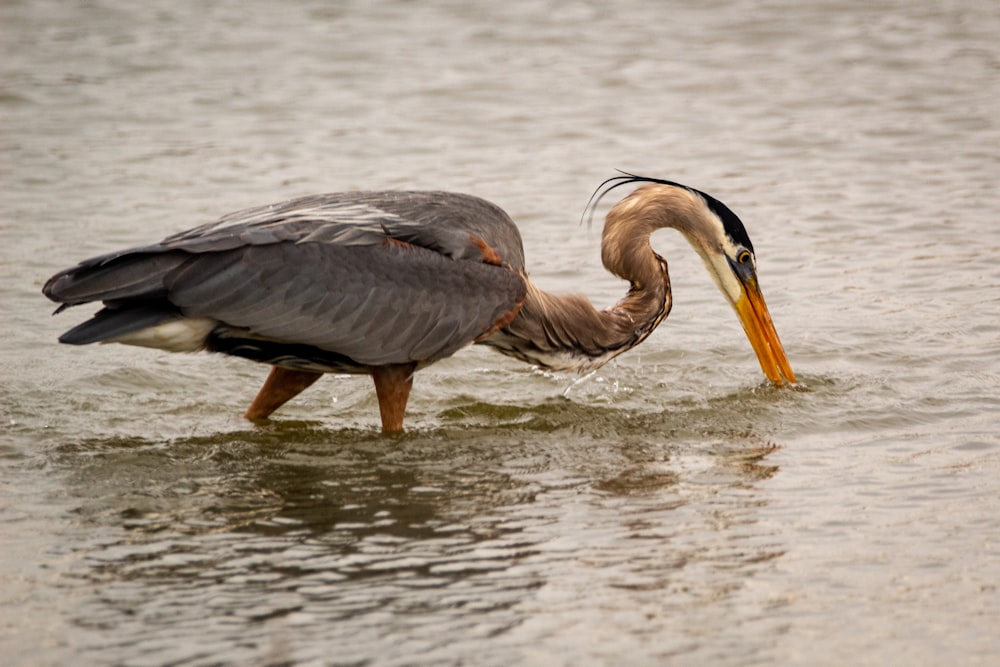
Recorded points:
(671, 508)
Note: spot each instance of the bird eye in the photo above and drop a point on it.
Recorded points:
(743, 257)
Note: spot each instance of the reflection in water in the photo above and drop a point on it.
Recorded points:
(458, 534)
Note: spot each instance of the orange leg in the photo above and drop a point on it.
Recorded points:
(281, 386)
(392, 386)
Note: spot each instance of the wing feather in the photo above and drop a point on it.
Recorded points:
(376, 305)
(378, 277)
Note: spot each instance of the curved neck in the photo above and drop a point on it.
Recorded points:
(565, 332)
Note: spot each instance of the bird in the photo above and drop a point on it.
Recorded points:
(385, 283)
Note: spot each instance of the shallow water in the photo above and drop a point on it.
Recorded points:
(669, 508)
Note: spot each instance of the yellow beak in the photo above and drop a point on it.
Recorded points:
(759, 329)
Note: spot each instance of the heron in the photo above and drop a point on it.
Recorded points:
(385, 283)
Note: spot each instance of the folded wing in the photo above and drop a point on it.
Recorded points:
(373, 278)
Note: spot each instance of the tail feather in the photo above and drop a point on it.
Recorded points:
(111, 323)
(138, 276)
(134, 287)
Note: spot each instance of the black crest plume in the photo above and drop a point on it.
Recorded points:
(730, 221)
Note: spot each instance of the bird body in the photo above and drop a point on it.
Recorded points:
(329, 283)
(385, 283)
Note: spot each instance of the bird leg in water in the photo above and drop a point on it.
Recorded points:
(281, 386)
(392, 386)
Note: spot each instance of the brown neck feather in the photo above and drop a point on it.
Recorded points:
(566, 332)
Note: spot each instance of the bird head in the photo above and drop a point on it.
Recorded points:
(720, 239)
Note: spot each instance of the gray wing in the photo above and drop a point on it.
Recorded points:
(374, 304)
(440, 221)
(377, 277)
